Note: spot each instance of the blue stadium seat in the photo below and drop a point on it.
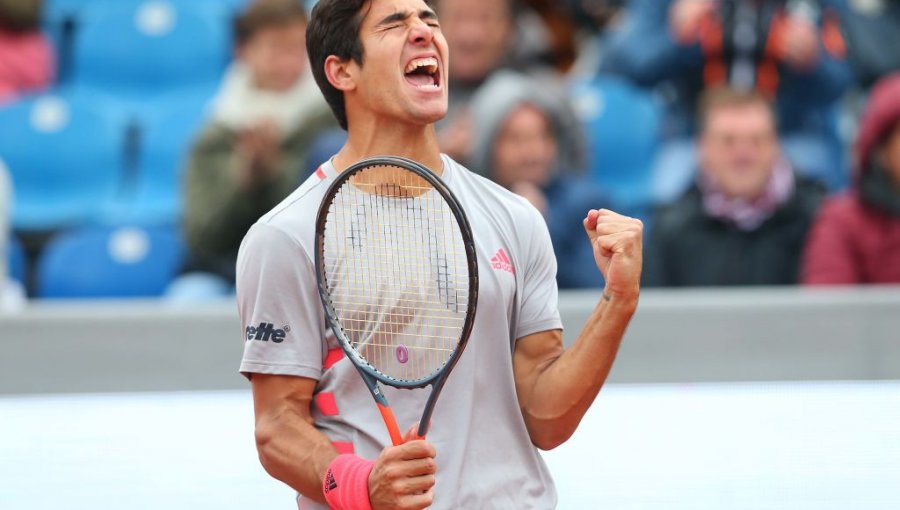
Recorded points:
(15, 259)
(154, 194)
(108, 262)
(137, 49)
(622, 125)
(64, 158)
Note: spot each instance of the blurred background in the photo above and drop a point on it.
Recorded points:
(758, 140)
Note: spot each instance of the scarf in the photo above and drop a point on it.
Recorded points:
(749, 214)
(240, 105)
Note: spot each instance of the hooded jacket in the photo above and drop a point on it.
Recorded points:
(856, 238)
(569, 195)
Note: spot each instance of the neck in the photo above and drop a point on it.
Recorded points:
(390, 138)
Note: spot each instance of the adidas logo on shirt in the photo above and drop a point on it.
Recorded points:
(501, 262)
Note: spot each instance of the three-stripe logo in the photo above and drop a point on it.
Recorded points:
(501, 262)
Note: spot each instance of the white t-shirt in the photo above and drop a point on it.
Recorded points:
(485, 456)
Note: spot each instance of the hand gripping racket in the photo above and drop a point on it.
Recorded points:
(398, 277)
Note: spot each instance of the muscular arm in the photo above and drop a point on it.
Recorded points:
(290, 448)
(555, 387)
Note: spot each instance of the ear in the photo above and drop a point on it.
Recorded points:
(341, 74)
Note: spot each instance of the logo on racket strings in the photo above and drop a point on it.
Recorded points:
(402, 354)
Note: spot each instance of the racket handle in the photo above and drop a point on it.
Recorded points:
(387, 414)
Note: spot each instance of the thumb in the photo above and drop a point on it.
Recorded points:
(413, 434)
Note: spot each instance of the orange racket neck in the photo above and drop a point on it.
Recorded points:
(387, 414)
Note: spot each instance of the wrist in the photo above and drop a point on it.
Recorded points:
(346, 483)
(617, 296)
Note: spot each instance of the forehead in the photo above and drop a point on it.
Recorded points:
(740, 115)
(376, 10)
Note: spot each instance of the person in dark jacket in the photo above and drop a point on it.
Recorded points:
(746, 218)
(856, 238)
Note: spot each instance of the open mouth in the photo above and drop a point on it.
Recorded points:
(423, 73)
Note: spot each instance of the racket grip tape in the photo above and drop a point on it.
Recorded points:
(387, 414)
(346, 483)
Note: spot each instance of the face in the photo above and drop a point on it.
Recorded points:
(891, 154)
(276, 56)
(478, 32)
(403, 76)
(739, 148)
(525, 149)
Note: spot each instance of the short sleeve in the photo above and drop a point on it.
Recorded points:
(539, 303)
(281, 315)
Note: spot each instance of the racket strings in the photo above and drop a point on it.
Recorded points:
(396, 272)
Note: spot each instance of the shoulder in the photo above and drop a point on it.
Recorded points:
(213, 136)
(295, 216)
(843, 210)
(683, 213)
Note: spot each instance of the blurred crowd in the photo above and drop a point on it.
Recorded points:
(759, 140)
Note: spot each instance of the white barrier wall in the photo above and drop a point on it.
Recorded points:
(676, 336)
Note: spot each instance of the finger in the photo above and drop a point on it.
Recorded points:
(606, 214)
(417, 501)
(616, 227)
(413, 433)
(419, 467)
(590, 222)
(416, 449)
(415, 484)
(622, 242)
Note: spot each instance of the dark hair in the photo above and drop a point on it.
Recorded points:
(334, 30)
(262, 14)
(724, 96)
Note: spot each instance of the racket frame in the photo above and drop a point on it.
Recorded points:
(369, 374)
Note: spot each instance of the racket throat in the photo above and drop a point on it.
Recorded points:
(425, 422)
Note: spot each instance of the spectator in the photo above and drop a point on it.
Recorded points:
(789, 50)
(856, 238)
(745, 220)
(26, 58)
(483, 36)
(250, 155)
(527, 141)
(872, 29)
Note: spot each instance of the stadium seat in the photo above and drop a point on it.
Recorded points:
(109, 262)
(64, 158)
(153, 194)
(15, 259)
(622, 125)
(139, 49)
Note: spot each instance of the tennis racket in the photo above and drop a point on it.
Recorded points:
(398, 277)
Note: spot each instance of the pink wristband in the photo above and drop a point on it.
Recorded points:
(346, 483)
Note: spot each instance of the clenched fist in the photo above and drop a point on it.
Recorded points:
(618, 245)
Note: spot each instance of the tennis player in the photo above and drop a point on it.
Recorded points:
(383, 67)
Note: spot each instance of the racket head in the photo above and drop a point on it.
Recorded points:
(397, 271)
